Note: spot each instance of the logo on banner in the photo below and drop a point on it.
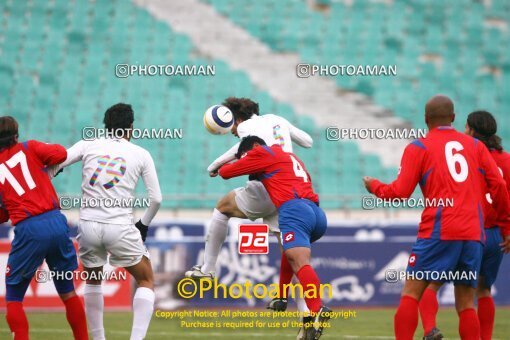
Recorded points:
(253, 239)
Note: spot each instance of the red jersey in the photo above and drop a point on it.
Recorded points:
(284, 176)
(492, 218)
(449, 165)
(25, 187)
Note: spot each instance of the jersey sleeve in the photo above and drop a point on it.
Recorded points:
(255, 161)
(150, 179)
(228, 156)
(497, 187)
(74, 154)
(48, 154)
(299, 136)
(408, 177)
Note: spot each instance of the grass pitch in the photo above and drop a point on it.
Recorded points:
(369, 324)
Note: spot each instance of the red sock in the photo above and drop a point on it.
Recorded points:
(76, 317)
(307, 277)
(469, 326)
(17, 320)
(486, 312)
(406, 318)
(428, 310)
(285, 276)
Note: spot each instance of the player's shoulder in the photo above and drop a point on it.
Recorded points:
(83, 145)
(7, 151)
(274, 118)
(32, 143)
(138, 150)
(246, 127)
(418, 144)
(270, 116)
(265, 150)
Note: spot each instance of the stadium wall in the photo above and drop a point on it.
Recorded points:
(357, 256)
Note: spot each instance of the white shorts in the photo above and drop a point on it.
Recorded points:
(123, 242)
(253, 201)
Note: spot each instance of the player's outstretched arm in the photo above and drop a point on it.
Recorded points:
(48, 154)
(227, 157)
(408, 177)
(74, 154)
(150, 179)
(255, 161)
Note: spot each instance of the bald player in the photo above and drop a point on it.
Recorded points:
(447, 165)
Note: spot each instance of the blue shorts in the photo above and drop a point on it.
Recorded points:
(301, 223)
(444, 261)
(492, 256)
(39, 238)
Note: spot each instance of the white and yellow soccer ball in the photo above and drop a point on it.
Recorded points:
(218, 120)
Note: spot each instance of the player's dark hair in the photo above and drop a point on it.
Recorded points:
(118, 117)
(485, 127)
(8, 131)
(241, 108)
(247, 144)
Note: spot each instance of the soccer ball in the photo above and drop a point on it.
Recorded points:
(218, 120)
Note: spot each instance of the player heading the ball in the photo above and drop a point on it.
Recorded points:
(300, 218)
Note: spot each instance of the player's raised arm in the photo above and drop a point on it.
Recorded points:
(408, 177)
(48, 154)
(497, 187)
(228, 156)
(255, 161)
(150, 179)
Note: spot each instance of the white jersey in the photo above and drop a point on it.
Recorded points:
(272, 129)
(110, 171)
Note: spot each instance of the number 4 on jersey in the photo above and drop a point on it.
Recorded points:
(298, 169)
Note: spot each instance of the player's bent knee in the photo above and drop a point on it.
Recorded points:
(146, 284)
(142, 273)
(464, 298)
(65, 288)
(227, 205)
(414, 288)
(67, 296)
(298, 258)
(482, 290)
(93, 277)
(15, 293)
(435, 286)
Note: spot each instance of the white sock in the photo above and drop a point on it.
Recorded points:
(143, 306)
(217, 235)
(94, 306)
(300, 301)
